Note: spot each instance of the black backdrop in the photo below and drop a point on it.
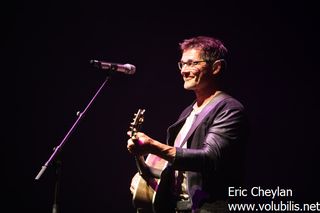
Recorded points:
(272, 71)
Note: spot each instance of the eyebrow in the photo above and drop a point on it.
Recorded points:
(190, 60)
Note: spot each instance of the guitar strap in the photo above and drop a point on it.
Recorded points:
(212, 104)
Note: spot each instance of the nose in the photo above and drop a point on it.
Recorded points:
(184, 71)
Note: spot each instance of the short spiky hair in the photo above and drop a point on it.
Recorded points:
(212, 48)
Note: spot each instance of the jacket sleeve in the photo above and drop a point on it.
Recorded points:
(216, 137)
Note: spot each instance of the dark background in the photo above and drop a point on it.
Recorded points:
(272, 70)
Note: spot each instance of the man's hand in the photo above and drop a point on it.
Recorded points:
(140, 144)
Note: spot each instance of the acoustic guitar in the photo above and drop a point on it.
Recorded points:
(145, 196)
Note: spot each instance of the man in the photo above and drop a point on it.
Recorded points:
(204, 147)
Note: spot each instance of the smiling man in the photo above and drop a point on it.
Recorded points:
(204, 146)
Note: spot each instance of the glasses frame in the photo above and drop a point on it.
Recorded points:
(195, 63)
(189, 63)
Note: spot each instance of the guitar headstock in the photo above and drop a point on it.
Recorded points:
(137, 121)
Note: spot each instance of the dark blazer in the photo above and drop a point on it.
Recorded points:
(214, 158)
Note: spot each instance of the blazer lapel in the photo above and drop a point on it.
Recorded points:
(212, 104)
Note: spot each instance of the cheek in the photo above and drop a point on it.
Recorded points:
(201, 76)
(196, 72)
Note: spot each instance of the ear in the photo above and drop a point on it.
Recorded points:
(217, 67)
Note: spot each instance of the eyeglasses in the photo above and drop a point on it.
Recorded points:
(188, 63)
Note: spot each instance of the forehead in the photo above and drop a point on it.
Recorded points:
(191, 54)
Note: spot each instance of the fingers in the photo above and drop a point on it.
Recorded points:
(139, 138)
(139, 144)
(135, 146)
(130, 145)
(138, 134)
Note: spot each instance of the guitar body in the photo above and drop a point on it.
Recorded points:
(144, 196)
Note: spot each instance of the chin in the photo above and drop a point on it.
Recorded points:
(189, 87)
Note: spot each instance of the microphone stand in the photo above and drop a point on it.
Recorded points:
(58, 149)
(58, 164)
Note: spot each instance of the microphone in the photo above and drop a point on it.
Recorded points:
(125, 68)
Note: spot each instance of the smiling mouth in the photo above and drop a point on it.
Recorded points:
(188, 78)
